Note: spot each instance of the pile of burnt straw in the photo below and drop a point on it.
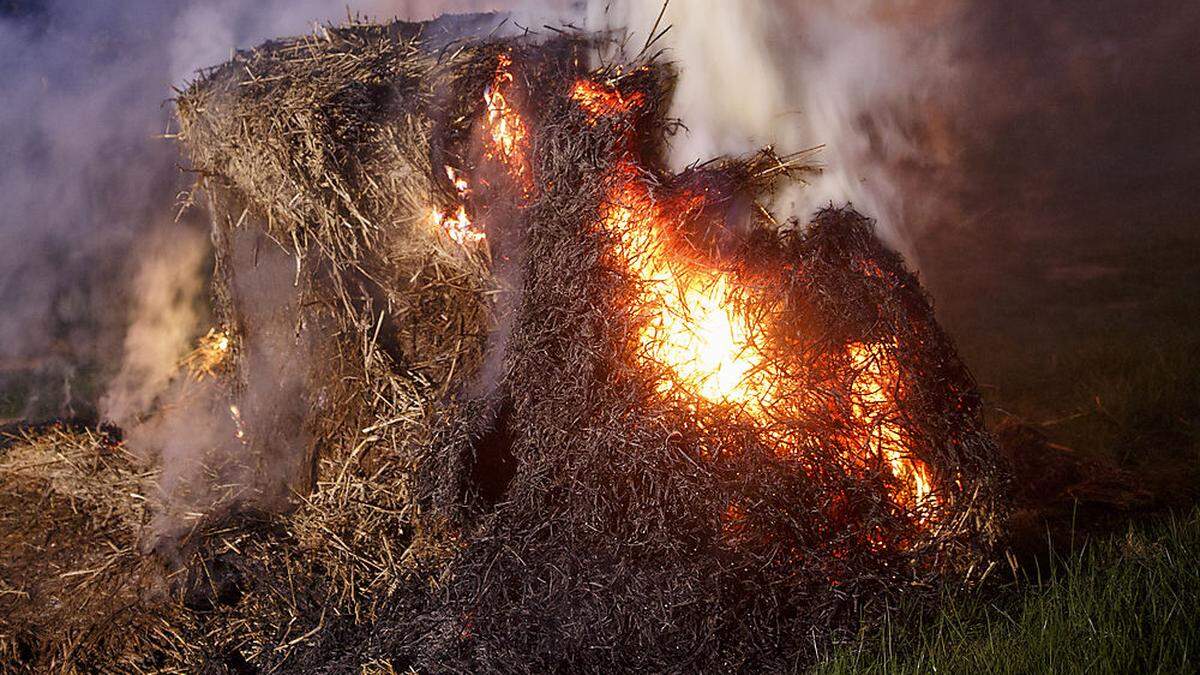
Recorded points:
(562, 407)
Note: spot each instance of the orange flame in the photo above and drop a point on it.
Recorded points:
(506, 130)
(506, 141)
(460, 183)
(598, 100)
(693, 330)
(457, 224)
(695, 334)
(875, 411)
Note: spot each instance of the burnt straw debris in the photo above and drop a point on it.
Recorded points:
(563, 408)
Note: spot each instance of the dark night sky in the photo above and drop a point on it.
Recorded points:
(1076, 174)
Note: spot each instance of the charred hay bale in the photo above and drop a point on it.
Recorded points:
(650, 524)
(695, 437)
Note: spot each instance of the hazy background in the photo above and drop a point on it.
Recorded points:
(1036, 159)
(89, 247)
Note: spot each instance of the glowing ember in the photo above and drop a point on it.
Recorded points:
(460, 183)
(599, 100)
(507, 135)
(210, 353)
(239, 430)
(875, 412)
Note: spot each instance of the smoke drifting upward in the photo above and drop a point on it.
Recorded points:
(853, 77)
(164, 316)
(222, 450)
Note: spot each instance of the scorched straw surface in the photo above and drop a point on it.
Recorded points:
(565, 409)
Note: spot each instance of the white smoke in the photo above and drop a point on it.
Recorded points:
(166, 314)
(850, 76)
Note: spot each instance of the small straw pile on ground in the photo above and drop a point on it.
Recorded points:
(75, 592)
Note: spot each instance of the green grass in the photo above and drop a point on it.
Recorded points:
(1121, 603)
(1129, 603)
(1107, 364)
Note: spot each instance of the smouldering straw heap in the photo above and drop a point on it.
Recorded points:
(567, 409)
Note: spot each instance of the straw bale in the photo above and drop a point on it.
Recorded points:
(495, 478)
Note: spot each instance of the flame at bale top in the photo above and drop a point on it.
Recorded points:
(698, 332)
(599, 100)
(507, 133)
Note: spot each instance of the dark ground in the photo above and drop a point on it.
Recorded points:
(1064, 264)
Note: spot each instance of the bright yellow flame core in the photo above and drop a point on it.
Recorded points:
(210, 353)
(705, 347)
(457, 226)
(692, 329)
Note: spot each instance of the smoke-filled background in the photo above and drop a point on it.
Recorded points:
(1036, 160)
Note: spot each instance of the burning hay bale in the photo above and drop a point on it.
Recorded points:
(560, 407)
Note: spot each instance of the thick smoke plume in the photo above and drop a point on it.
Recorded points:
(854, 78)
